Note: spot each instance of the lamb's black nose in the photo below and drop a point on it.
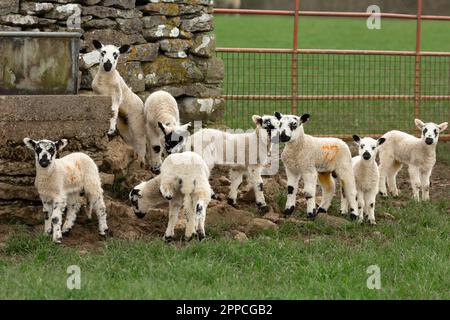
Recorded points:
(366, 155)
(107, 66)
(284, 137)
(429, 141)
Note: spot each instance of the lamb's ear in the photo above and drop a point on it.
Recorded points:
(419, 123)
(278, 115)
(443, 126)
(186, 126)
(97, 44)
(381, 140)
(257, 120)
(31, 144)
(124, 49)
(60, 144)
(162, 127)
(356, 138)
(304, 118)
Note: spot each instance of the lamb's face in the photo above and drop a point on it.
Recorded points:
(137, 201)
(174, 137)
(290, 127)
(368, 147)
(430, 131)
(109, 55)
(45, 150)
(268, 123)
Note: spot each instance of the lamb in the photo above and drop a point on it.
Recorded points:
(418, 153)
(313, 158)
(244, 153)
(127, 107)
(60, 182)
(162, 122)
(188, 174)
(365, 170)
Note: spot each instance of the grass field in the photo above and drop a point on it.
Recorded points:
(299, 260)
(334, 74)
(411, 252)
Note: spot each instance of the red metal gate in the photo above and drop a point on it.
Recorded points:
(366, 92)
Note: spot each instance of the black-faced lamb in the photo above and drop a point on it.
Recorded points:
(365, 170)
(314, 159)
(127, 107)
(418, 153)
(60, 182)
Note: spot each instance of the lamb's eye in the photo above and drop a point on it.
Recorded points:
(373, 148)
(38, 150)
(425, 130)
(435, 132)
(115, 55)
(103, 53)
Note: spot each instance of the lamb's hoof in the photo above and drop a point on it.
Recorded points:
(58, 240)
(382, 194)
(262, 208)
(312, 215)
(231, 202)
(66, 232)
(111, 134)
(187, 239)
(201, 236)
(321, 210)
(353, 216)
(214, 196)
(48, 232)
(289, 211)
(168, 197)
(343, 212)
(168, 239)
(372, 222)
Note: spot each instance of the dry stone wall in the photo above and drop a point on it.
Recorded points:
(172, 44)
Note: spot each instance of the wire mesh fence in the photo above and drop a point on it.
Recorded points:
(366, 92)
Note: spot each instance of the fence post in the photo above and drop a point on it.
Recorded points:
(417, 73)
(294, 60)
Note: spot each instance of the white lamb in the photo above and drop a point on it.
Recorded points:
(60, 182)
(162, 121)
(188, 174)
(244, 153)
(312, 158)
(127, 107)
(418, 153)
(366, 173)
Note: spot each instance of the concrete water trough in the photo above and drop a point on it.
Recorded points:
(39, 62)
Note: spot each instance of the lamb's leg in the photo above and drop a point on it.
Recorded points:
(292, 186)
(200, 213)
(392, 177)
(361, 203)
(414, 176)
(328, 187)
(97, 204)
(191, 218)
(369, 208)
(113, 121)
(344, 202)
(59, 206)
(174, 210)
(310, 182)
(348, 182)
(385, 163)
(425, 182)
(73, 207)
(47, 209)
(254, 174)
(236, 180)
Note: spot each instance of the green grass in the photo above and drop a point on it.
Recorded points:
(411, 251)
(269, 74)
